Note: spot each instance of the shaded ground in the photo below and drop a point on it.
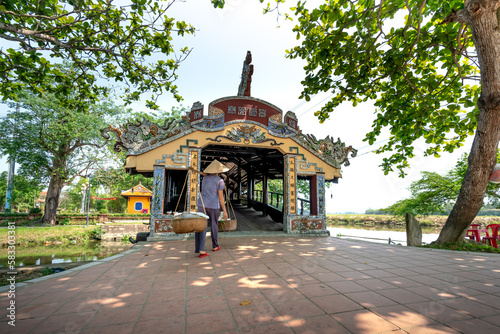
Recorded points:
(247, 220)
(267, 285)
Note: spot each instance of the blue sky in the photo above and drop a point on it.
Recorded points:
(213, 70)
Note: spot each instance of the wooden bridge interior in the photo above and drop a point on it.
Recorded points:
(247, 166)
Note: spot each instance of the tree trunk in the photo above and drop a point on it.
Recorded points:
(52, 200)
(482, 20)
(55, 186)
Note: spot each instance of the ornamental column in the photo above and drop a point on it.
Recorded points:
(158, 191)
(194, 178)
(289, 190)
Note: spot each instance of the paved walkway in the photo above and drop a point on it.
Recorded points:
(266, 285)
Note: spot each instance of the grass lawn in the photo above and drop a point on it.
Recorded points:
(25, 236)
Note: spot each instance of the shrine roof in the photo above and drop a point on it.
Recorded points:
(138, 190)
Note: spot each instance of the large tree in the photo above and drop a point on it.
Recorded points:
(129, 42)
(53, 143)
(433, 70)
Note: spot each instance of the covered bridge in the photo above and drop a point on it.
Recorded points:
(250, 136)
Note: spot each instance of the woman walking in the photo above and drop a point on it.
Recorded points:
(210, 202)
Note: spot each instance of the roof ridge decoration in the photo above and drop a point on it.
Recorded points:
(143, 134)
(336, 153)
(246, 133)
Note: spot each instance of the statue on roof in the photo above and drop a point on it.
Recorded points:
(246, 76)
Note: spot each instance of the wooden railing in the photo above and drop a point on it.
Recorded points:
(258, 195)
(302, 204)
(275, 200)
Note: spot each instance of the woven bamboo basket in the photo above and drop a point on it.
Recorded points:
(227, 225)
(189, 223)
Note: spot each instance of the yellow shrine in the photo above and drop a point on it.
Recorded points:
(138, 199)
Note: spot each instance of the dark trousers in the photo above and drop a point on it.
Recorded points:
(213, 224)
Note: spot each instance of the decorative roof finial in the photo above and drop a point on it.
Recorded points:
(246, 76)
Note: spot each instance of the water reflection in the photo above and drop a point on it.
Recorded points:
(380, 233)
(54, 254)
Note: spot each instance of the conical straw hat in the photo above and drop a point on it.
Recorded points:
(215, 167)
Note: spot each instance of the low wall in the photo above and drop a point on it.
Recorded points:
(99, 218)
(20, 217)
(117, 231)
(75, 219)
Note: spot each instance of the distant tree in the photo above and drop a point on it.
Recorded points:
(431, 194)
(421, 62)
(129, 42)
(55, 144)
(25, 190)
(489, 210)
(71, 198)
(375, 211)
(434, 193)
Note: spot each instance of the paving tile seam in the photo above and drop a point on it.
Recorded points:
(372, 312)
(54, 276)
(264, 296)
(313, 260)
(41, 323)
(305, 297)
(328, 315)
(265, 325)
(38, 323)
(239, 266)
(186, 286)
(486, 318)
(369, 309)
(188, 262)
(151, 287)
(102, 306)
(388, 318)
(392, 322)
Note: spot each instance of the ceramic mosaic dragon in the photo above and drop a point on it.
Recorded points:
(135, 135)
(335, 152)
(247, 134)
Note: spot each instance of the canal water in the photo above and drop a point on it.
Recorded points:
(380, 233)
(60, 254)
